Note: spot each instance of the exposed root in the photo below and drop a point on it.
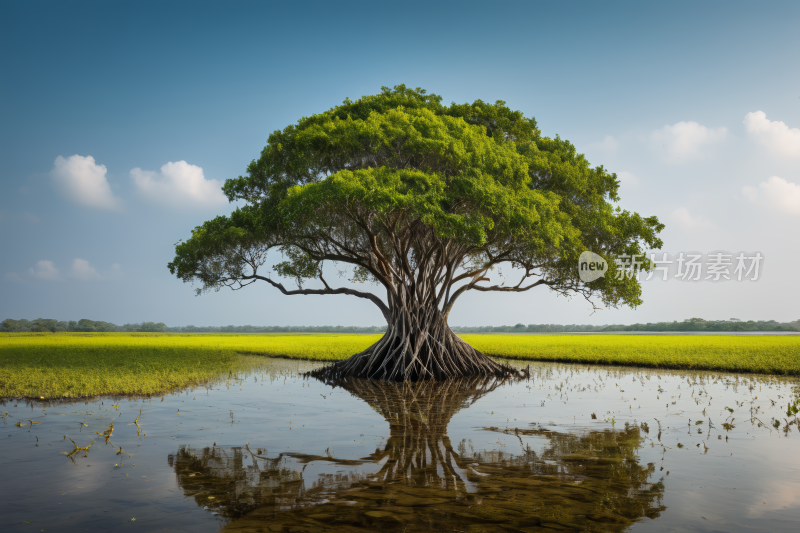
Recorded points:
(414, 350)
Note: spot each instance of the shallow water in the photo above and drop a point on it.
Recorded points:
(274, 450)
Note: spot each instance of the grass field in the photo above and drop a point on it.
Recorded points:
(45, 365)
(761, 354)
(77, 365)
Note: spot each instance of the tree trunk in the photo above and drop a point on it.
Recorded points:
(418, 345)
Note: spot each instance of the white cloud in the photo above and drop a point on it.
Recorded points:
(609, 144)
(13, 277)
(84, 182)
(626, 178)
(776, 193)
(179, 184)
(775, 135)
(686, 140)
(45, 270)
(685, 220)
(82, 270)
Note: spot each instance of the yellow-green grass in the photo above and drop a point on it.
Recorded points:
(79, 365)
(762, 354)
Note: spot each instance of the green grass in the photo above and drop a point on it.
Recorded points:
(90, 364)
(761, 354)
(57, 366)
(70, 365)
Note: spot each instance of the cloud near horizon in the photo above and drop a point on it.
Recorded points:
(82, 181)
(687, 140)
(83, 271)
(608, 144)
(627, 178)
(775, 193)
(773, 134)
(178, 184)
(684, 219)
(45, 270)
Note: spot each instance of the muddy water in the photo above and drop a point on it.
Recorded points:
(571, 448)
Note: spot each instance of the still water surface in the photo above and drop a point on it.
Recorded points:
(574, 447)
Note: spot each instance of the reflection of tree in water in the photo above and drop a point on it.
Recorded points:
(419, 482)
(234, 481)
(603, 464)
(418, 451)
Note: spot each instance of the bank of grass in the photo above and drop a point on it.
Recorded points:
(760, 354)
(89, 364)
(71, 365)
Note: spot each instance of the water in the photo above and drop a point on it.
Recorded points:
(273, 450)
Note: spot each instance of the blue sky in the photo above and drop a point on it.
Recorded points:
(695, 105)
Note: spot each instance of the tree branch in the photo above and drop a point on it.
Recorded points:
(342, 290)
(498, 288)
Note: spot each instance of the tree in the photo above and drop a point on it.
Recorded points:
(424, 201)
(153, 327)
(44, 324)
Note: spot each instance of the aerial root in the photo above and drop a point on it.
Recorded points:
(434, 354)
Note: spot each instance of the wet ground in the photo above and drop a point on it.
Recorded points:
(574, 447)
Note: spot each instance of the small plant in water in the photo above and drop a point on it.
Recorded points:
(793, 408)
(77, 448)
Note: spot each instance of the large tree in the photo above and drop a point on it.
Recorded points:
(425, 201)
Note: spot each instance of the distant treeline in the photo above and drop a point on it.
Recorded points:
(698, 324)
(278, 329)
(530, 328)
(692, 324)
(84, 324)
